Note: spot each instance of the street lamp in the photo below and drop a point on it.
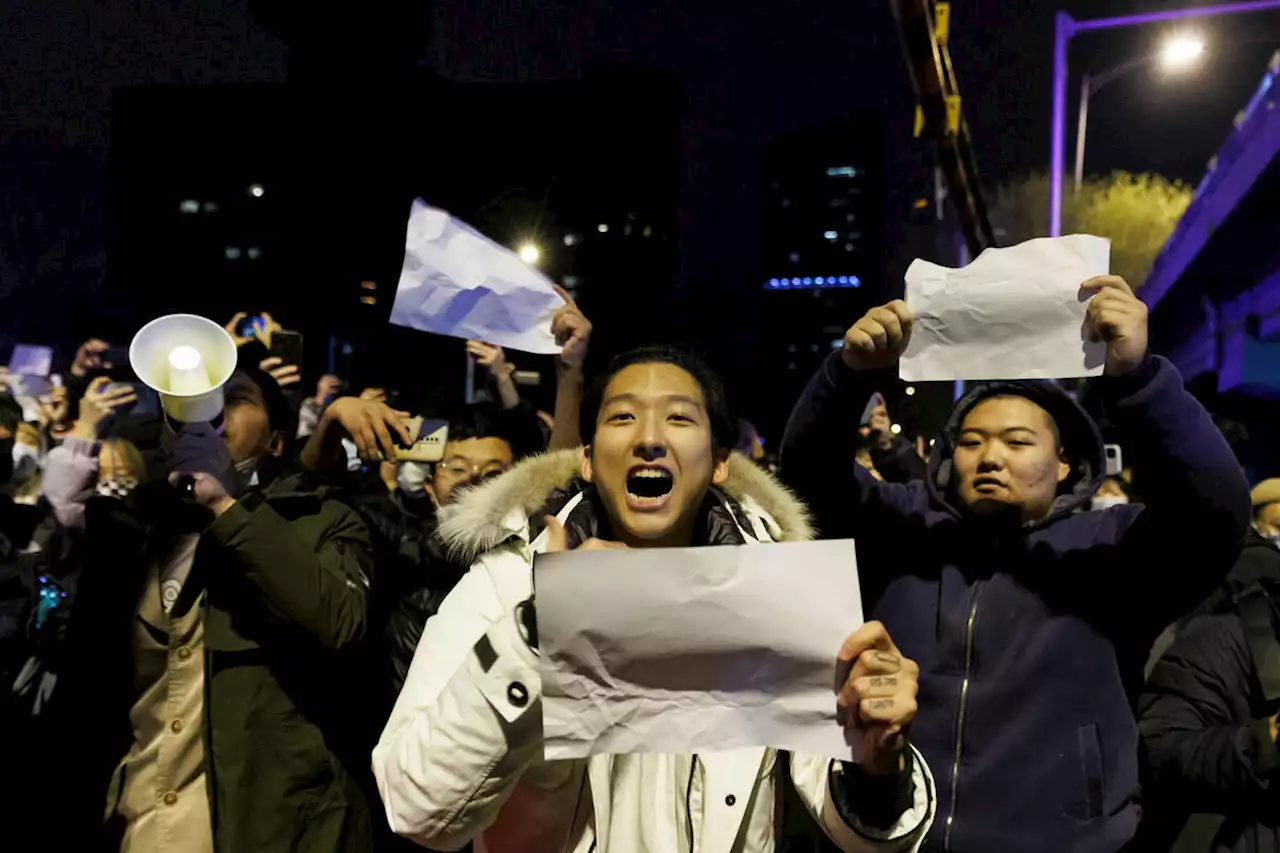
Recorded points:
(1065, 27)
(1176, 54)
(529, 253)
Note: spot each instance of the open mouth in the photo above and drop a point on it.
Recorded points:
(649, 485)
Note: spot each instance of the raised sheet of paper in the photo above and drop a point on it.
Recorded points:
(695, 649)
(457, 282)
(1013, 313)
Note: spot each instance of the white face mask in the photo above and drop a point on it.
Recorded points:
(1101, 502)
(411, 477)
(26, 461)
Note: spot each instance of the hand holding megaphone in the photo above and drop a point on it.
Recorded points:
(201, 467)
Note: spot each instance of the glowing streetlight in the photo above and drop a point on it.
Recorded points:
(911, 390)
(529, 253)
(1181, 52)
(895, 428)
(257, 190)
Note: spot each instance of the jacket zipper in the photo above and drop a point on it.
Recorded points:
(964, 696)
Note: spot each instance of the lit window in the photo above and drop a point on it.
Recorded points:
(257, 190)
(831, 235)
(842, 172)
(603, 227)
(368, 285)
(254, 253)
(189, 205)
(369, 300)
(231, 253)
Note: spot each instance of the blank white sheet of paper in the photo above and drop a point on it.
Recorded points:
(456, 281)
(1013, 313)
(689, 650)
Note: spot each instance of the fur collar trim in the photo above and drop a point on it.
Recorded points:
(482, 518)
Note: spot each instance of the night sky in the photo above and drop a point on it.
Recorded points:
(752, 72)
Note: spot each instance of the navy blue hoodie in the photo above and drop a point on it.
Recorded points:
(1031, 639)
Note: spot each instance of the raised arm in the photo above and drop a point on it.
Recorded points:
(819, 447)
(572, 330)
(1195, 511)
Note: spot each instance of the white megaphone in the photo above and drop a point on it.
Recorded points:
(187, 359)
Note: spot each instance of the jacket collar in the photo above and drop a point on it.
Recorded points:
(493, 512)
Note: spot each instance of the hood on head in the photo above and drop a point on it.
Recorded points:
(1080, 438)
(480, 519)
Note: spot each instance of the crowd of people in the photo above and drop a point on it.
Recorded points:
(275, 632)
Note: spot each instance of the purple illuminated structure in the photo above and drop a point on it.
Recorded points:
(1064, 28)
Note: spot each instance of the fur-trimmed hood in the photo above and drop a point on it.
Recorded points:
(489, 514)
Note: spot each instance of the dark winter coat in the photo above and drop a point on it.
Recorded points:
(414, 575)
(1031, 640)
(286, 573)
(1213, 768)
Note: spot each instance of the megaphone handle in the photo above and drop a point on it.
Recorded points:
(186, 486)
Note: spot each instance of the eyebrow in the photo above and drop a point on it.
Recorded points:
(1004, 431)
(670, 398)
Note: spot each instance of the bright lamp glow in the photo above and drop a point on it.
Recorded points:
(187, 374)
(530, 253)
(1180, 52)
(911, 390)
(256, 190)
(895, 428)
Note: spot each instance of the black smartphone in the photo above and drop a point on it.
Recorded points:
(287, 346)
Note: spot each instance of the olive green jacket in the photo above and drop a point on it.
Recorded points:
(285, 575)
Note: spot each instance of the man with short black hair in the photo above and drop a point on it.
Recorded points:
(461, 757)
(210, 704)
(988, 575)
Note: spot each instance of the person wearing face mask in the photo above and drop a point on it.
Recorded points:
(1111, 493)
(1208, 713)
(213, 703)
(416, 572)
(988, 575)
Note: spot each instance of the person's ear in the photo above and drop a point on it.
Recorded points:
(720, 473)
(585, 468)
(275, 447)
(1064, 466)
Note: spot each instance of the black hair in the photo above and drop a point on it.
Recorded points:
(10, 413)
(480, 420)
(724, 427)
(253, 386)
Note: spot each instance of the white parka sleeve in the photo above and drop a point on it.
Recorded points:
(467, 723)
(813, 780)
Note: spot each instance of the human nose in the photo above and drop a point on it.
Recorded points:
(651, 444)
(991, 459)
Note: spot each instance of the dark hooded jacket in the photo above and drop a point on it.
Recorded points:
(1031, 639)
(1213, 767)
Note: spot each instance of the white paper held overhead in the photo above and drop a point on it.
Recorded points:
(690, 650)
(457, 282)
(1015, 313)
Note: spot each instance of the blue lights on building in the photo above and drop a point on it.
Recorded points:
(825, 282)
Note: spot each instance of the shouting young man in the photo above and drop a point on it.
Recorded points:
(1030, 620)
(461, 757)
